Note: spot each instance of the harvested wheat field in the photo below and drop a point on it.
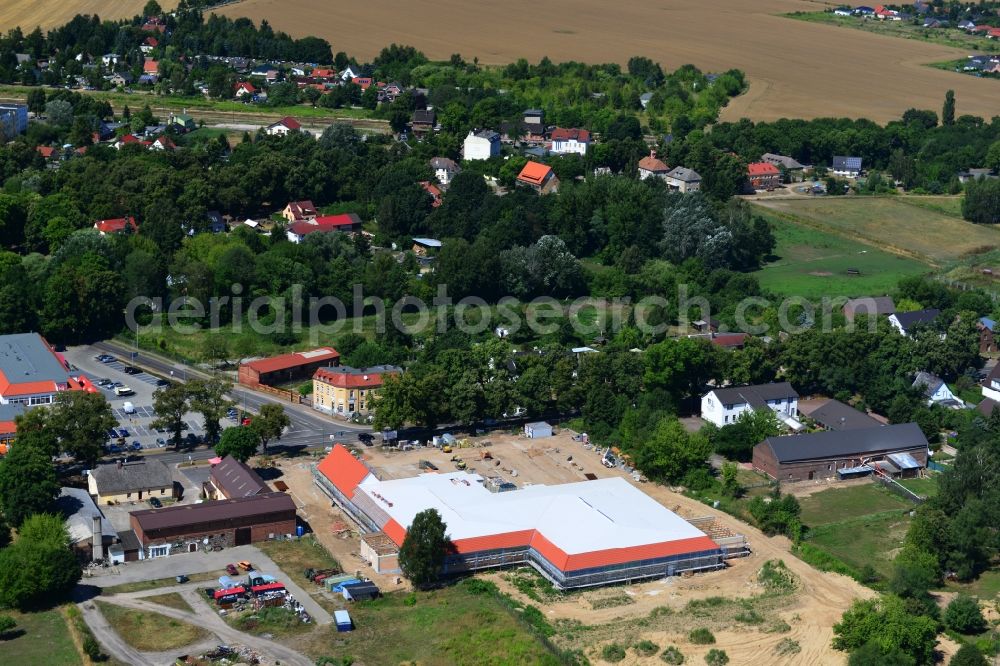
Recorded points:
(53, 13)
(797, 69)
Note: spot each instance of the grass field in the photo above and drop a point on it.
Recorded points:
(946, 37)
(812, 263)
(924, 487)
(793, 77)
(919, 227)
(868, 540)
(171, 600)
(987, 586)
(40, 639)
(143, 585)
(446, 626)
(294, 557)
(150, 632)
(839, 504)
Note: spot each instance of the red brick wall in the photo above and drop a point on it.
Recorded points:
(764, 461)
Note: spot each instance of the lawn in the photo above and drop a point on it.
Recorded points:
(41, 639)
(868, 540)
(927, 487)
(987, 586)
(446, 626)
(839, 504)
(150, 632)
(294, 557)
(915, 227)
(813, 264)
(171, 600)
(142, 585)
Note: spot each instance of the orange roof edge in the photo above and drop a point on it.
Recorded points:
(343, 470)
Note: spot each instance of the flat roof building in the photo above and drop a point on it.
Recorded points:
(31, 373)
(575, 534)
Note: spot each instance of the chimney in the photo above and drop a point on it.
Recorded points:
(97, 552)
(652, 153)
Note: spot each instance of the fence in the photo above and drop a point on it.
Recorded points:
(900, 490)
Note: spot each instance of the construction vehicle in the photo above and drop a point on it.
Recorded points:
(460, 464)
(446, 449)
(485, 455)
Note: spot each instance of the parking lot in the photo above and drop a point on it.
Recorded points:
(137, 422)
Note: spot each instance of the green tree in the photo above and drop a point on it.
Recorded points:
(914, 573)
(28, 482)
(730, 483)
(671, 452)
(171, 404)
(948, 110)
(679, 367)
(968, 655)
(42, 550)
(981, 204)
(269, 423)
(208, 398)
(716, 657)
(964, 615)
(886, 623)
(424, 548)
(870, 654)
(993, 156)
(80, 421)
(239, 442)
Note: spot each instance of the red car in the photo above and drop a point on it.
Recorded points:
(232, 570)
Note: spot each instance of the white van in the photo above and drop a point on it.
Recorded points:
(123, 390)
(128, 408)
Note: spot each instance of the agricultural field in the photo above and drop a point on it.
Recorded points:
(52, 13)
(40, 639)
(790, 64)
(813, 264)
(924, 229)
(944, 36)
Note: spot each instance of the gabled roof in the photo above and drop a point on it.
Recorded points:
(293, 360)
(116, 224)
(729, 339)
(784, 160)
(845, 163)
(756, 395)
(151, 66)
(131, 477)
(684, 175)
(193, 515)
(570, 134)
(534, 173)
(928, 382)
(908, 320)
(287, 121)
(342, 376)
(423, 116)
(986, 407)
(762, 169)
(300, 209)
(835, 415)
(78, 509)
(871, 306)
(651, 163)
(343, 470)
(246, 85)
(446, 164)
(841, 443)
(324, 223)
(236, 479)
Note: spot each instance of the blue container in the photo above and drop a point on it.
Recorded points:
(300, 530)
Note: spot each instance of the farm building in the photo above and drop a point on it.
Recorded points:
(896, 450)
(130, 482)
(287, 367)
(835, 415)
(575, 534)
(872, 307)
(233, 522)
(232, 478)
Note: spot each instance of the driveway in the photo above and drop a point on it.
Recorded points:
(189, 563)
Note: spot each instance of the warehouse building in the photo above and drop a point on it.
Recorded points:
(222, 523)
(286, 367)
(576, 534)
(895, 450)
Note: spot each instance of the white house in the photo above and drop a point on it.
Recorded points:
(444, 170)
(843, 11)
(844, 165)
(652, 167)
(936, 391)
(723, 406)
(283, 127)
(569, 141)
(682, 179)
(904, 322)
(991, 385)
(481, 145)
(350, 72)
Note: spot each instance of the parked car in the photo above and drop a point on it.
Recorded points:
(160, 441)
(136, 445)
(123, 432)
(232, 570)
(123, 390)
(246, 566)
(155, 503)
(162, 382)
(131, 370)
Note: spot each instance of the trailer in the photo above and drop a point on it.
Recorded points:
(343, 620)
(360, 591)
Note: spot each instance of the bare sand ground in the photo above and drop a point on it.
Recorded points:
(797, 69)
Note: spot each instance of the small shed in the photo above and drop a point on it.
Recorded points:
(537, 430)
(360, 591)
(343, 620)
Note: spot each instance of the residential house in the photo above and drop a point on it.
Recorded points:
(723, 406)
(533, 117)
(481, 145)
(835, 415)
(991, 385)
(986, 407)
(348, 223)
(423, 247)
(389, 92)
(883, 13)
(729, 340)
(245, 88)
(906, 322)
(323, 73)
(894, 450)
(569, 141)
(763, 175)
(151, 67)
(47, 152)
(539, 177)
(864, 10)
(936, 391)
(652, 167)
(444, 170)
(709, 326)
(363, 82)
(350, 73)
(121, 79)
(422, 121)
(987, 343)
(163, 143)
(976, 174)
(346, 391)
(283, 127)
(872, 307)
(934, 23)
(91, 535)
(182, 122)
(433, 190)
(682, 179)
(843, 11)
(299, 210)
(645, 98)
(154, 24)
(846, 166)
(130, 482)
(216, 223)
(148, 45)
(146, 79)
(231, 478)
(116, 225)
(788, 165)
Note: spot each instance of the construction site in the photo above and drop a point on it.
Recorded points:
(522, 501)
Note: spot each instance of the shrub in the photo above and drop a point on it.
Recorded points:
(646, 648)
(964, 616)
(410, 599)
(613, 652)
(787, 646)
(6, 624)
(93, 649)
(716, 657)
(701, 636)
(968, 655)
(750, 616)
(776, 577)
(478, 586)
(672, 656)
